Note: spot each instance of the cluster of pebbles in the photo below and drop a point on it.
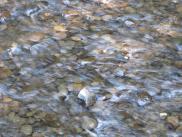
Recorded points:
(97, 68)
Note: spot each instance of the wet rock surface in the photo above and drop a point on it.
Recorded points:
(97, 68)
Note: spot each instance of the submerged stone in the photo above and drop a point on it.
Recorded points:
(26, 129)
(36, 36)
(60, 28)
(119, 72)
(5, 72)
(3, 27)
(163, 115)
(99, 68)
(173, 120)
(89, 123)
(87, 96)
(144, 99)
(63, 91)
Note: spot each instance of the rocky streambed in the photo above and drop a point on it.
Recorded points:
(90, 68)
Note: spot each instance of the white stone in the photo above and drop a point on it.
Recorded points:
(87, 96)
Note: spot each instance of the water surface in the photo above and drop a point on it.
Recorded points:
(96, 68)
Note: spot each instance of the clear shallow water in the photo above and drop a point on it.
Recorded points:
(90, 68)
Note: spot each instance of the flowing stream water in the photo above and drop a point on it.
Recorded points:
(90, 68)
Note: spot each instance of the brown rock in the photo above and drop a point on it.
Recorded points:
(179, 8)
(106, 17)
(60, 28)
(178, 64)
(71, 12)
(37, 135)
(36, 36)
(173, 120)
(4, 13)
(179, 129)
(4, 73)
